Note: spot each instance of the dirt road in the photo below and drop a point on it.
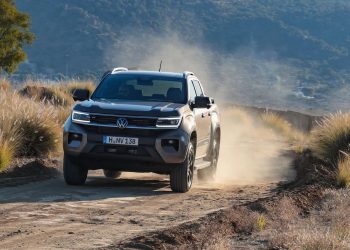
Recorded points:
(49, 214)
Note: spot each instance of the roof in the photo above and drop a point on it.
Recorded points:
(151, 73)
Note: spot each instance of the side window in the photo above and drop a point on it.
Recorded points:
(192, 91)
(197, 88)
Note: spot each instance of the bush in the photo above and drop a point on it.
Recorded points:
(32, 125)
(343, 174)
(39, 136)
(331, 137)
(47, 93)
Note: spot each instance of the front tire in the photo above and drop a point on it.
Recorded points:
(73, 174)
(111, 173)
(181, 177)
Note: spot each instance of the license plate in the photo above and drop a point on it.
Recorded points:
(116, 140)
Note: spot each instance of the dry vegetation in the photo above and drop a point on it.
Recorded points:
(5, 85)
(329, 141)
(343, 174)
(297, 138)
(331, 136)
(32, 126)
(326, 227)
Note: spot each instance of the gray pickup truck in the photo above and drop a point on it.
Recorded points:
(143, 121)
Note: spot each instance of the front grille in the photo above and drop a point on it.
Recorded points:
(123, 132)
(133, 121)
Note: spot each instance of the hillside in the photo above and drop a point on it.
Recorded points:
(304, 43)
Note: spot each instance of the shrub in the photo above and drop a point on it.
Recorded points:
(343, 173)
(47, 93)
(33, 125)
(330, 137)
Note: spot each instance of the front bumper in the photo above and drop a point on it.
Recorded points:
(150, 151)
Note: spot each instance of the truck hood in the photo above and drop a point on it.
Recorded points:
(131, 108)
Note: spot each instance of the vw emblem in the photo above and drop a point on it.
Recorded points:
(122, 123)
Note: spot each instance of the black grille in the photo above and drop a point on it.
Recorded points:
(134, 121)
(123, 132)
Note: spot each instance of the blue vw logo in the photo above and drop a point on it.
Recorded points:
(122, 123)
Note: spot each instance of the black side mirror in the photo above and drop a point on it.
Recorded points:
(81, 94)
(202, 102)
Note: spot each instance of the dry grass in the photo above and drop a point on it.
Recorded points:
(283, 127)
(7, 152)
(330, 137)
(52, 94)
(327, 227)
(5, 85)
(32, 125)
(343, 173)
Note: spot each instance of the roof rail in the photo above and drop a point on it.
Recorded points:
(188, 73)
(116, 70)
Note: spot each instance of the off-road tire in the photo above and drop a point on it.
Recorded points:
(73, 174)
(111, 173)
(181, 177)
(208, 174)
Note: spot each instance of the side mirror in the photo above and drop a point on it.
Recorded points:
(81, 94)
(202, 102)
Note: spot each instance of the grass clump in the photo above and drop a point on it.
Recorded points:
(51, 94)
(7, 152)
(283, 127)
(32, 125)
(330, 137)
(343, 173)
(261, 223)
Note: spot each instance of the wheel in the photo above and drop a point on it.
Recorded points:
(73, 174)
(208, 174)
(111, 174)
(181, 177)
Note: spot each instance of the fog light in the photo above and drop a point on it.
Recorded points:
(74, 137)
(171, 143)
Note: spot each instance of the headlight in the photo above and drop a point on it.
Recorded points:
(80, 117)
(171, 122)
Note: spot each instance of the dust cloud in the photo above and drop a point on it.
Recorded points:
(247, 76)
(249, 152)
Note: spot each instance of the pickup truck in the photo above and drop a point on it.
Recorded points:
(143, 121)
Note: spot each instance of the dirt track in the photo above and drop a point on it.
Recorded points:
(49, 214)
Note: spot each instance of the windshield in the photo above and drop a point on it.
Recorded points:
(142, 88)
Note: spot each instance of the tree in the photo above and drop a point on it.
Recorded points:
(14, 34)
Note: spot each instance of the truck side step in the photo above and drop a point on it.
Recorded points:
(200, 163)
